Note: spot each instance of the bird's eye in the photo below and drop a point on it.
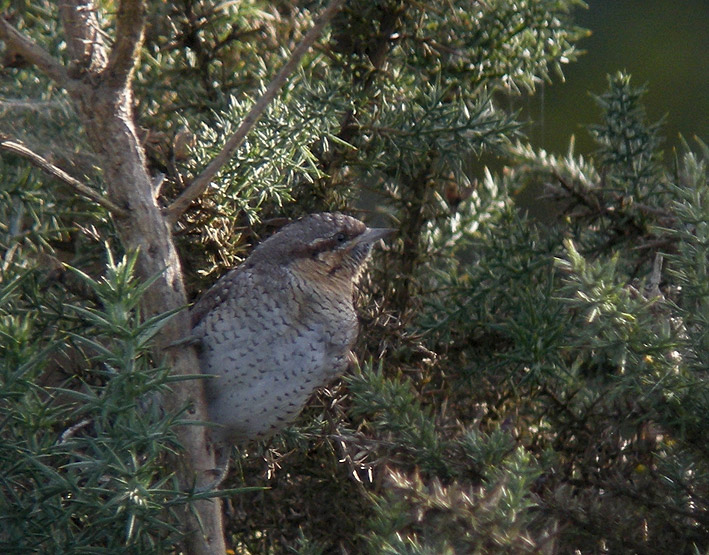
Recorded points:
(341, 237)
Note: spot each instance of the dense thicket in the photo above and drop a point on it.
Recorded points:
(522, 387)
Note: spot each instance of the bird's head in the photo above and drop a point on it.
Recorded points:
(328, 247)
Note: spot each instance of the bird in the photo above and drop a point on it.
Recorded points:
(279, 326)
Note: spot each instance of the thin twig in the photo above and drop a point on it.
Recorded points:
(21, 150)
(32, 52)
(201, 182)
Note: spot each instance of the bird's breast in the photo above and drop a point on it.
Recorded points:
(268, 352)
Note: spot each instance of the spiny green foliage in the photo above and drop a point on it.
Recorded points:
(522, 388)
(399, 99)
(629, 149)
(587, 357)
(82, 447)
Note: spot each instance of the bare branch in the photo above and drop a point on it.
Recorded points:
(201, 182)
(21, 150)
(130, 24)
(33, 53)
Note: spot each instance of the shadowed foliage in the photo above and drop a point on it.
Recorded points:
(521, 387)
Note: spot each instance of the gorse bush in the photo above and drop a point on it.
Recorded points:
(521, 387)
(82, 445)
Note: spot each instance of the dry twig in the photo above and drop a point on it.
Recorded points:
(45, 165)
(201, 182)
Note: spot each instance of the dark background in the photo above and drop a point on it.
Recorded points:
(661, 43)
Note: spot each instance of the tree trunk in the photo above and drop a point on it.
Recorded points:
(100, 84)
(107, 114)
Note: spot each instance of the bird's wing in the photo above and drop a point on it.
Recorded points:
(234, 284)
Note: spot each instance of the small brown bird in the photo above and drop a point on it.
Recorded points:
(280, 325)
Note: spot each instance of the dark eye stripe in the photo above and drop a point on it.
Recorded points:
(322, 245)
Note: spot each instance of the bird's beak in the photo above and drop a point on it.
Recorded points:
(373, 234)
